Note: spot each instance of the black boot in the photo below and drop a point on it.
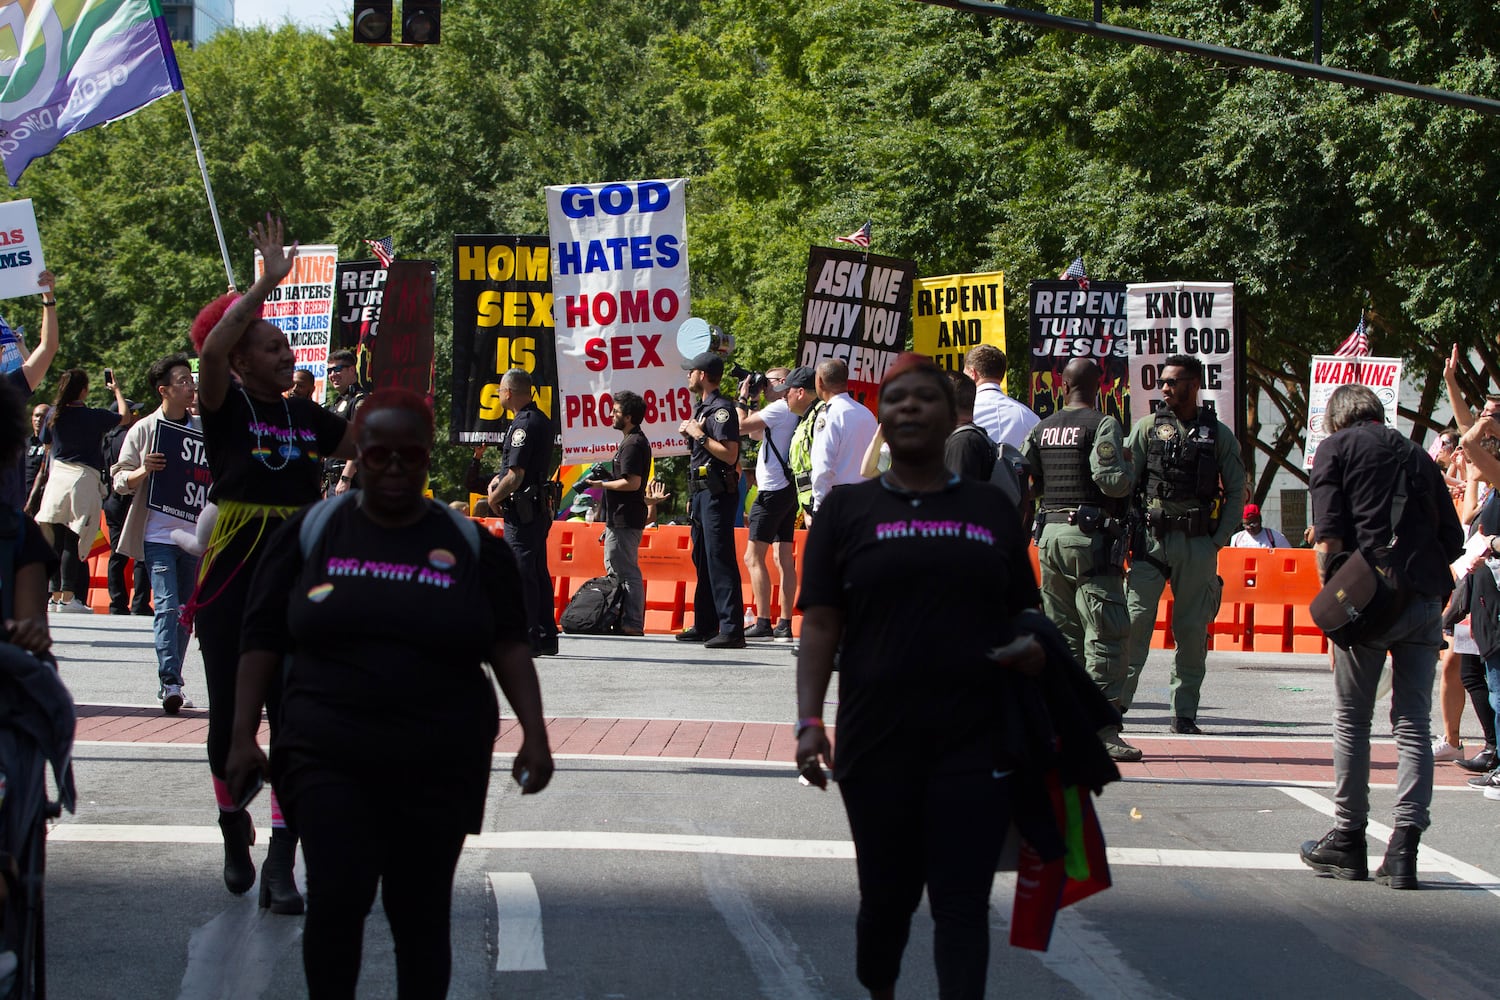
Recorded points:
(1399, 869)
(1341, 853)
(239, 834)
(277, 889)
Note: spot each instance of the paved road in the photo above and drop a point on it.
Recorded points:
(676, 856)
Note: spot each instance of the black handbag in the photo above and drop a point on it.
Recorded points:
(1361, 599)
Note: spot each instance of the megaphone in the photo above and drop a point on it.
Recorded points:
(697, 336)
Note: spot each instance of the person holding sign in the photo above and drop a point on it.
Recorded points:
(16, 477)
(149, 522)
(1191, 499)
(265, 453)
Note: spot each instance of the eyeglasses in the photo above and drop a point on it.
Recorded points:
(1171, 383)
(184, 380)
(379, 456)
(333, 369)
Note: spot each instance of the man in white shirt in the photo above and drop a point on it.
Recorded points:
(1005, 420)
(773, 515)
(843, 431)
(1255, 535)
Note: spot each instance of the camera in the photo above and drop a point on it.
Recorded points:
(751, 383)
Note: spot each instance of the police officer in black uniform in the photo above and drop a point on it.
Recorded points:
(519, 492)
(713, 434)
(343, 375)
(1083, 481)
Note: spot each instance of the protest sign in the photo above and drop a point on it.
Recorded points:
(620, 291)
(180, 488)
(1070, 321)
(854, 309)
(359, 289)
(1178, 317)
(302, 307)
(10, 349)
(502, 319)
(403, 353)
(20, 250)
(955, 312)
(1381, 375)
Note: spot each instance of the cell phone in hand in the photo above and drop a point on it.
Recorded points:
(109, 376)
(252, 789)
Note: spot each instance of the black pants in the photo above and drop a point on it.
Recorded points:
(529, 543)
(717, 598)
(942, 831)
(357, 835)
(72, 573)
(138, 598)
(217, 625)
(1471, 672)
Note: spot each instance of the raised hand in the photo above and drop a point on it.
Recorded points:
(269, 238)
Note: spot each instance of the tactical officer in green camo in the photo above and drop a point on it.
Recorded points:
(1082, 478)
(1191, 500)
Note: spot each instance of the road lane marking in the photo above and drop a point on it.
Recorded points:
(1079, 952)
(518, 923)
(1429, 858)
(768, 947)
(235, 955)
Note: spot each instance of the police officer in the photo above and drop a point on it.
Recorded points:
(713, 433)
(519, 491)
(1190, 503)
(1082, 475)
(343, 375)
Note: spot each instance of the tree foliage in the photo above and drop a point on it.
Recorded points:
(972, 144)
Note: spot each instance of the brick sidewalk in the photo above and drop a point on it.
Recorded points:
(1167, 758)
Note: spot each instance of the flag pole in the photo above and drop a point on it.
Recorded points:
(213, 207)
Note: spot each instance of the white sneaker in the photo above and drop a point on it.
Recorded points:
(1492, 793)
(1443, 750)
(73, 607)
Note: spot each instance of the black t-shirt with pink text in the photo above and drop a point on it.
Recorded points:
(255, 457)
(927, 585)
(387, 630)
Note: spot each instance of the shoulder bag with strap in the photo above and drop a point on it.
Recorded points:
(1361, 599)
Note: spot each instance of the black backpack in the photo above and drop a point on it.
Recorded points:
(595, 609)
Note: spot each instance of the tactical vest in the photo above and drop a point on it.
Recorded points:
(1181, 469)
(1065, 444)
(799, 457)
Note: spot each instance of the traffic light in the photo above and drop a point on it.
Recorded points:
(372, 22)
(421, 22)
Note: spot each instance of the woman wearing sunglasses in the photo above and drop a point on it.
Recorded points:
(265, 453)
(383, 757)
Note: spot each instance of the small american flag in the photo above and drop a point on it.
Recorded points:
(1075, 270)
(860, 237)
(384, 250)
(1357, 345)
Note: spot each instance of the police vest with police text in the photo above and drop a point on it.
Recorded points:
(1183, 468)
(1065, 444)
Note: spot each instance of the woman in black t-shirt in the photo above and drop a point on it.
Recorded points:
(388, 723)
(265, 453)
(913, 580)
(73, 495)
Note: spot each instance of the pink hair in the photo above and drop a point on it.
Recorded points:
(394, 398)
(209, 316)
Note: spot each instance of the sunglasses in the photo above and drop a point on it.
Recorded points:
(1172, 383)
(379, 456)
(336, 368)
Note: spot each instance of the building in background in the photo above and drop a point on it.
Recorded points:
(196, 22)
